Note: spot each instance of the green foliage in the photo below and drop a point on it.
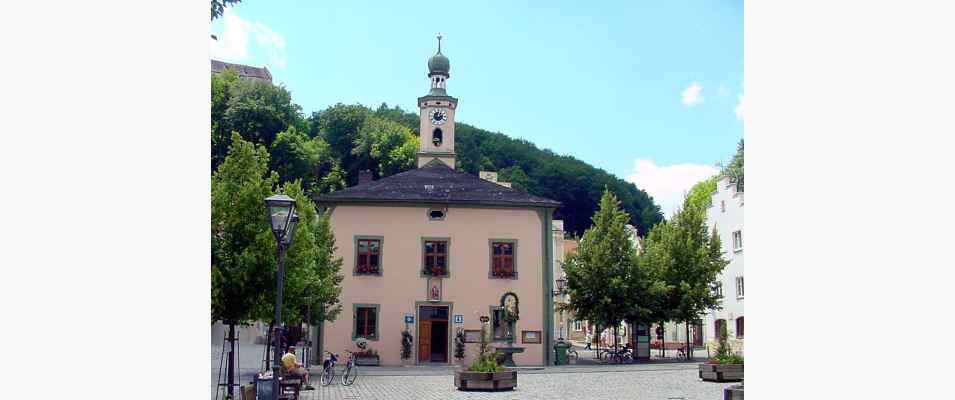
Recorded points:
(485, 363)
(574, 183)
(218, 7)
(459, 344)
(241, 234)
(701, 194)
(689, 259)
(295, 156)
(598, 274)
(244, 249)
(406, 341)
(735, 167)
(385, 146)
(256, 109)
(723, 354)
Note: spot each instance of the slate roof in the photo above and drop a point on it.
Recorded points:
(435, 182)
(244, 71)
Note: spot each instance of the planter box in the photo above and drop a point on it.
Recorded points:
(465, 380)
(734, 392)
(367, 361)
(721, 372)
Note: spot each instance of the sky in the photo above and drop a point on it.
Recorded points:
(651, 92)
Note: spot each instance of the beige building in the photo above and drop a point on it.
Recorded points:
(433, 249)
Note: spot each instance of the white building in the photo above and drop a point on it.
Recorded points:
(726, 215)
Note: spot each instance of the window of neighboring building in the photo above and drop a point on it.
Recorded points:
(366, 321)
(367, 256)
(578, 326)
(498, 325)
(723, 205)
(739, 286)
(720, 326)
(435, 257)
(739, 327)
(718, 289)
(502, 259)
(737, 240)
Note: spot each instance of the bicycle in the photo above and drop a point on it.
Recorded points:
(351, 370)
(349, 375)
(572, 355)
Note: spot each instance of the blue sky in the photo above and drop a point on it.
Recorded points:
(649, 91)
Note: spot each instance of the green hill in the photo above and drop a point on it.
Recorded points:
(327, 149)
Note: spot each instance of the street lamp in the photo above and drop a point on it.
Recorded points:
(561, 285)
(284, 221)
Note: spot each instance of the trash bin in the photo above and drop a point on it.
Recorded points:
(560, 351)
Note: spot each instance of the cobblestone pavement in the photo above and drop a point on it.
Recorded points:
(665, 381)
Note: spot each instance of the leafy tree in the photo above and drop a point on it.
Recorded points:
(385, 146)
(516, 176)
(339, 126)
(239, 230)
(244, 249)
(295, 156)
(598, 275)
(735, 167)
(218, 7)
(256, 109)
(701, 194)
(690, 260)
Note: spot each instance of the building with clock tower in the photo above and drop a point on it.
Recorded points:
(437, 114)
(433, 249)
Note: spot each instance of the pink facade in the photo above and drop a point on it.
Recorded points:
(469, 291)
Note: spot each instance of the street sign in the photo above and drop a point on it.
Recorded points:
(458, 319)
(409, 318)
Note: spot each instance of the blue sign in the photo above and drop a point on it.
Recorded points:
(409, 318)
(458, 319)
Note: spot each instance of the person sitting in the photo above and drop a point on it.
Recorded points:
(291, 366)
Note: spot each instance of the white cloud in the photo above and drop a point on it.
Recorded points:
(273, 42)
(233, 44)
(668, 183)
(692, 95)
(739, 108)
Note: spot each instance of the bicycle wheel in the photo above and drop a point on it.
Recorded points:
(349, 376)
(327, 375)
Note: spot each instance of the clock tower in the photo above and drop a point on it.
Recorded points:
(437, 114)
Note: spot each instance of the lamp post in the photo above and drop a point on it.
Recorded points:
(561, 284)
(283, 219)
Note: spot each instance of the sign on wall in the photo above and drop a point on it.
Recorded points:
(409, 318)
(458, 319)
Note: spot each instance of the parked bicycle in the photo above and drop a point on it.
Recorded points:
(619, 356)
(572, 355)
(349, 375)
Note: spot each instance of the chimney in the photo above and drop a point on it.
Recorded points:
(365, 176)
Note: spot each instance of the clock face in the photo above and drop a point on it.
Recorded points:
(439, 116)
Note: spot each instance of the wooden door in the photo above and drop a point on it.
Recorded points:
(424, 341)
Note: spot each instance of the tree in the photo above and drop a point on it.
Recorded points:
(516, 176)
(239, 230)
(735, 168)
(598, 274)
(701, 194)
(256, 109)
(689, 259)
(385, 146)
(295, 156)
(218, 7)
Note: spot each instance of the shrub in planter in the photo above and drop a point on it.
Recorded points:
(485, 373)
(725, 366)
(406, 341)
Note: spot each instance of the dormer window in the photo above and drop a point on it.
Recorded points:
(436, 214)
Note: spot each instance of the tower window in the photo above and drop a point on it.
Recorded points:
(437, 136)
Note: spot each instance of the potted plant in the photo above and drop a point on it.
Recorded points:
(485, 373)
(406, 341)
(725, 366)
(459, 345)
(365, 356)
